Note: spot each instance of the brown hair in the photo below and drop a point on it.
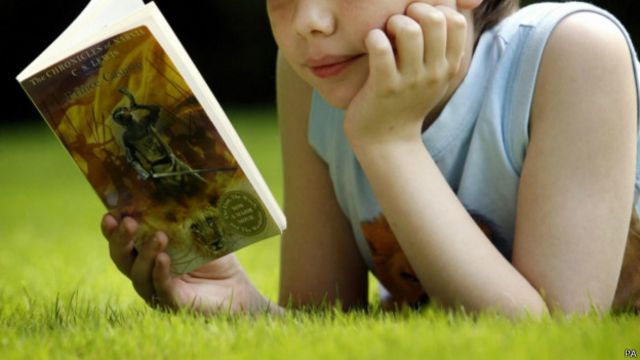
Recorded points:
(490, 12)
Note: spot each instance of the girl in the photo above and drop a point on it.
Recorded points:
(461, 150)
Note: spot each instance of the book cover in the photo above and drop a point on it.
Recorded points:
(142, 139)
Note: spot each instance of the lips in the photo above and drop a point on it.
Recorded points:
(330, 66)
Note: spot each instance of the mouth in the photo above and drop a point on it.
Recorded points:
(330, 66)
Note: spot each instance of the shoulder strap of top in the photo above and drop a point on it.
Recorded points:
(536, 25)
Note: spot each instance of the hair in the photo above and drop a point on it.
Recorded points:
(490, 12)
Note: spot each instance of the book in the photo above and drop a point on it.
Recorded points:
(124, 98)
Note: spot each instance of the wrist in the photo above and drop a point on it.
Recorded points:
(259, 304)
(265, 306)
(367, 130)
(372, 146)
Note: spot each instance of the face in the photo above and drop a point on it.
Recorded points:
(323, 40)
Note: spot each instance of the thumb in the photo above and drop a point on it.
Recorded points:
(163, 283)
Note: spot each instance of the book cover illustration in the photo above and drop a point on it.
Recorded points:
(141, 138)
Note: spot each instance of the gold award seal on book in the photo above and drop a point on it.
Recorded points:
(242, 213)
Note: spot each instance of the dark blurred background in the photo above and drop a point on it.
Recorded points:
(229, 41)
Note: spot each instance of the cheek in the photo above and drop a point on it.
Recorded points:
(360, 30)
(374, 14)
(280, 22)
(278, 33)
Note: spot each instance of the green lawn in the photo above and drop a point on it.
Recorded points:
(60, 296)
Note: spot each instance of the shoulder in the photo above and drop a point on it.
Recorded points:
(587, 56)
(586, 87)
(590, 39)
(546, 18)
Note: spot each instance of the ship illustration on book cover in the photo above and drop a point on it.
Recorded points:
(144, 142)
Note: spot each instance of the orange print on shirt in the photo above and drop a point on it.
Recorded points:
(391, 266)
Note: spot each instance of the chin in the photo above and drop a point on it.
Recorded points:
(340, 91)
(338, 98)
(338, 103)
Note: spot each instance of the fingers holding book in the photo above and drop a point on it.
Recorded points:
(136, 265)
(220, 285)
(148, 269)
(142, 267)
(164, 296)
(120, 237)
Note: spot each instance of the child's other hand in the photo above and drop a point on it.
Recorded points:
(403, 87)
(207, 290)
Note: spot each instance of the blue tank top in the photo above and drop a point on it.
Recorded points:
(478, 142)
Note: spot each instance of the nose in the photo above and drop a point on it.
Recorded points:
(314, 18)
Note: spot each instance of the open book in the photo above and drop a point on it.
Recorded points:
(122, 95)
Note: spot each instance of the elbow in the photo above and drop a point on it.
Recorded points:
(518, 304)
(314, 300)
(576, 305)
(544, 304)
(533, 308)
(514, 306)
(525, 307)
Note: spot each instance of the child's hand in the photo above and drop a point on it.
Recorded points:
(404, 87)
(208, 289)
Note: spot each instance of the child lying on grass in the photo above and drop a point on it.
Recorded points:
(466, 151)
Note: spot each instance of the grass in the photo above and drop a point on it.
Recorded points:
(60, 296)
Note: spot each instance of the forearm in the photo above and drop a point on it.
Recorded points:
(453, 259)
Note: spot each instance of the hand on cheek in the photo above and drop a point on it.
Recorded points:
(406, 84)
